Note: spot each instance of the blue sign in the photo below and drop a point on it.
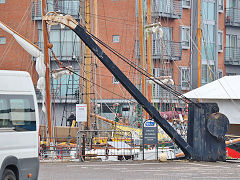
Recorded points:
(149, 123)
(150, 132)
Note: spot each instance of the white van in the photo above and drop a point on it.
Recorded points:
(19, 126)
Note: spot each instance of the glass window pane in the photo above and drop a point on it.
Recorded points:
(211, 33)
(204, 10)
(211, 11)
(203, 53)
(54, 36)
(211, 51)
(204, 74)
(17, 112)
(227, 41)
(56, 48)
(2, 40)
(4, 114)
(116, 38)
(67, 35)
(67, 48)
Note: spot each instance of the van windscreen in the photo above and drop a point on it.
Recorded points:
(17, 112)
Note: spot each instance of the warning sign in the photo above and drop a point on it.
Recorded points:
(81, 112)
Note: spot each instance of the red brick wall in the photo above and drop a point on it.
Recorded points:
(17, 15)
(221, 26)
(117, 18)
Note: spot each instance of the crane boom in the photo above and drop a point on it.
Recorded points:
(126, 83)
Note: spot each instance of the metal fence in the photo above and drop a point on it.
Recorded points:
(106, 145)
(164, 8)
(163, 49)
(232, 17)
(231, 56)
(63, 6)
(58, 148)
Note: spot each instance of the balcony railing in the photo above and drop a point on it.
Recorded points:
(158, 92)
(165, 8)
(232, 17)
(232, 56)
(162, 49)
(71, 7)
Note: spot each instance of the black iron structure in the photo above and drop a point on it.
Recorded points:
(127, 84)
(206, 126)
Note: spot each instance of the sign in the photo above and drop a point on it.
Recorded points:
(150, 132)
(81, 112)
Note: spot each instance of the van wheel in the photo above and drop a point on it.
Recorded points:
(8, 174)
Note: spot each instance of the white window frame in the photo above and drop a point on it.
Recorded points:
(115, 81)
(186, 6)
(2, 1)
(181, 78)
(116, 40)
(220, 32)
(3, 40)
(221, 10)
(182, 29)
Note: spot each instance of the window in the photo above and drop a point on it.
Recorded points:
(107, 108)
(67, 86)
(220, 73)
(231, 47)
(220, 6)
(231, 40)
(115, 81)
(164, 44)
(231, 74)
(184, 36)
(125, 108)
(116, 38)
(208, 73)
(65, 43)
(186, 3)
(208, 10)
(185, 78)
(71, 7)
(208, 42)
(220, 41)
(2, 40)
(2, 1)
(17, 112)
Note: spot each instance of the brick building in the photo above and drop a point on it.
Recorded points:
(115, 22)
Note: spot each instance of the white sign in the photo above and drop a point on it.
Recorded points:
(81, 112)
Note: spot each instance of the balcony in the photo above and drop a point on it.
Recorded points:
(232, 17)
(163, 49)
(71, 7)
(160, 93)
(232, 56)
(165, 8)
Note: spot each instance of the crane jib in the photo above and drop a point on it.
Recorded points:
(128, 85)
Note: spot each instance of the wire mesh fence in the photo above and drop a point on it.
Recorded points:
(103, 145)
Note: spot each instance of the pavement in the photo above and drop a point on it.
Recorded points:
(139, 170)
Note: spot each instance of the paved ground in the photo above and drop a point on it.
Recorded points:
(140, 170)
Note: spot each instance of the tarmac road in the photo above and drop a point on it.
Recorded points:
(140, 170)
